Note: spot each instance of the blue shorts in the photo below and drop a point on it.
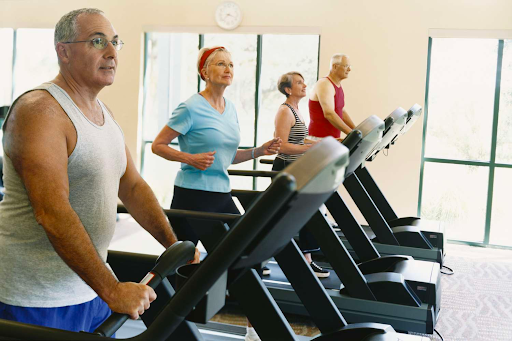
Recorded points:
(86, 316)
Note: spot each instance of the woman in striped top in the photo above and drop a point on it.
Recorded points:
(290, 127)
(289, 123)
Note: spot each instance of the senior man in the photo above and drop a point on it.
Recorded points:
(328, 116)
(65, 166)
(327, 113)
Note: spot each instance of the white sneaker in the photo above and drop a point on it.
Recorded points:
(332, 223)
(251, 335)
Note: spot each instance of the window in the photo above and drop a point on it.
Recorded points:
(7, 38)
(27, 60)
(467, 141)
(36, 59)
(170, 77)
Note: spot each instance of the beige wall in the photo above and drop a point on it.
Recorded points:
(386, 40)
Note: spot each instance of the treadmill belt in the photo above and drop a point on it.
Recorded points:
(278, 279)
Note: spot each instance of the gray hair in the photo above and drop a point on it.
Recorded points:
(285, 81)
(336, 59)
(210, 57)
(67, 28)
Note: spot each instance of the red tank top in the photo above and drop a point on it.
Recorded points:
(318, 124)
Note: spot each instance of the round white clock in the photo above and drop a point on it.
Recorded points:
(228, 15)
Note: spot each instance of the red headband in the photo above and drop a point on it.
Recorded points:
(205, 56)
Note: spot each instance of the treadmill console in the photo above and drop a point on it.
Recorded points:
(399, 119)
(371, 129)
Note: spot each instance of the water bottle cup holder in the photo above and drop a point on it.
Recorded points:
(213, 300)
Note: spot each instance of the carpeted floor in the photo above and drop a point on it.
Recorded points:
(301, 325)
(476, 299)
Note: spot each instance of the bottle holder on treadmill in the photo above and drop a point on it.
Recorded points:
(212, 302)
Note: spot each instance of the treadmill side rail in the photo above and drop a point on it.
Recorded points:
(360, 331)
(391, 288)
(381, 264)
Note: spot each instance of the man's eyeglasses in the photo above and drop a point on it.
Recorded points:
(100, 43)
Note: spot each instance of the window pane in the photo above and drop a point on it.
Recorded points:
(171, 77)
(160, 173)
(241, 182)
(281, 54)
(36, 59)
(6, 37)
(242, 90)
(501, 233)
(456, 195)
(263, 183)
(504, 146)
(461, 98)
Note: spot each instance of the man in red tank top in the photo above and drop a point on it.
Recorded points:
(327, 101)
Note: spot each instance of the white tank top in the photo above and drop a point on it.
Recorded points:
(31, 272)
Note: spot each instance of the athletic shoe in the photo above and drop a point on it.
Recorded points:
(265, 271)
(251, 335)
(319, 272)
(332, 223)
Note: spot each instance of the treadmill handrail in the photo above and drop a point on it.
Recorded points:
(352, 140)
(174, 213)
(267, 161)
(176, 255)
(223, 256)
(254, 173)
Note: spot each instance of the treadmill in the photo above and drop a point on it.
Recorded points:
(391, 235)
(265, 230)
(426, 237)
(421, 277)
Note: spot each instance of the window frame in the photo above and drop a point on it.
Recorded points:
(491, 164)
(259, 55)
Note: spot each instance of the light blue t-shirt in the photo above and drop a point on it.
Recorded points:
(204, 129)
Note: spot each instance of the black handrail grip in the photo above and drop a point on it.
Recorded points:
(173, 213)
(175, 256)
(255, 173)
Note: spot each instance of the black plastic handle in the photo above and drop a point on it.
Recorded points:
(388, 122)
(175, 256)
(255, 173)
(173, 213)
(352, 140)
(267, 161)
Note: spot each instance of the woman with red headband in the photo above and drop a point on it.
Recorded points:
(208, 133)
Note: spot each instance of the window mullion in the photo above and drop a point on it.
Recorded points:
(259, 55)
(494, 139)
(201, 45)
(144, 94)
(14, 34)
(425, 116)
(318, 59)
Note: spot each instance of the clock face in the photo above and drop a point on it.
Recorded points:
(228, 15)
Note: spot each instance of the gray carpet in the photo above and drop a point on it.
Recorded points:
(477, 300)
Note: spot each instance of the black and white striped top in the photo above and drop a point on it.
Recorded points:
(298, 133)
